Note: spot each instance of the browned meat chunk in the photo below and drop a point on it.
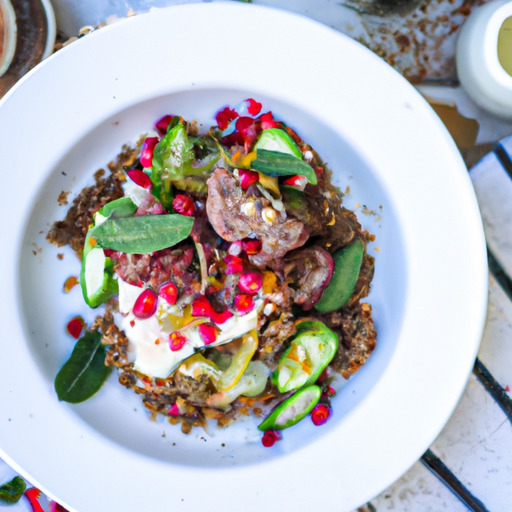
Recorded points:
(233, 220)
(309, 271)
(156, 268)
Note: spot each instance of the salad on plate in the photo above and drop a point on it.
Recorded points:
(228, 277)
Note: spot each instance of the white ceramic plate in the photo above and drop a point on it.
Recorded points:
(71, 115)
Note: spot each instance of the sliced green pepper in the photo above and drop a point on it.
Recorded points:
(347, 265)
(309, 353)
(174, 159)
(96, 276)
(293, 409)
(275, 139)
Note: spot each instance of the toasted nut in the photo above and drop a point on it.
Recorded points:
(248, 208)
(268, 214)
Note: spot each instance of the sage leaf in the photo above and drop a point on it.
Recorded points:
(12, 491)
(142, 234)
(276, 163)
(84, 372)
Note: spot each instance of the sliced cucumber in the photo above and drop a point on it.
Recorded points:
(275, 139)
(121, 207)
(308, 355)
(96, 276)
(293, 409)
(347, 265)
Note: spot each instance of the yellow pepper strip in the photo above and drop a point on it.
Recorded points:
(252, 383)
(270, 183)
(198, 365)
(244, 161)
(240, 362)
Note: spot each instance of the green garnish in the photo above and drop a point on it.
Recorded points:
(142, 234)
(293, 409)
(275, 139)
(97, 273)
(174, 158)
(12, 491)
(277, 163)
(347, 265)
(309, 353)
(84, 372)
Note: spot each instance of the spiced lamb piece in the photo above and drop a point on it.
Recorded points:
(235, 215)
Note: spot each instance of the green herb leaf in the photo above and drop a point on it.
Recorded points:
(276, 163)
(142, 234)
(12, 491)
(178, 156)
(169, 158)
(84, 372)
(121, 207)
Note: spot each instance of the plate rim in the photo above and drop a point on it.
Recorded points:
(416, 103)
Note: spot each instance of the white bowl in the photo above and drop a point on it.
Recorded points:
(72, 114)
(478, 66)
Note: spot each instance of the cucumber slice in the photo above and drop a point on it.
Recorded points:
(96, 276)
(121, 207)
(309, 353)
(293, 409)
(275, 139)
(347, 265)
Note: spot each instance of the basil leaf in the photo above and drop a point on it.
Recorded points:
(84, 372)
(12, 491)
(142, 234)
(276, 163)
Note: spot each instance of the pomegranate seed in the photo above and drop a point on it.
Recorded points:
(145, 304)
(235, 249)
(299, 182)
(163, 123)
(174, 410)
(70, 283)
(183, 205)
(139, 178)
(169, 292)
(247, 178)
(250, 282)
(244, 303)
(270, 437)
(220, 318)
(251, 246)
(235, 265)
(330, 391)
(246, 128)
(75, 326)
(208, 333)
(268, 121)
(202, 307)
(323, 376)
(176, 341)
(320, 414)
(146, 154)
(224, 117)
(253, 106)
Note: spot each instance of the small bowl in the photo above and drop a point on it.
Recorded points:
(478, 65)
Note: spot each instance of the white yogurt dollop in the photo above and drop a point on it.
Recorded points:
(148, 339)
